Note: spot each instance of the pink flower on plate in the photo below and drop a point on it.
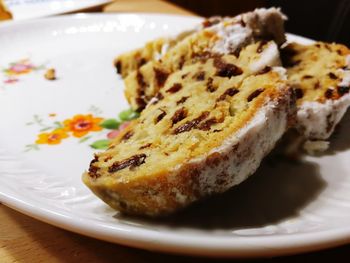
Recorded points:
(10, 80)
(113, 134)
(21, 67)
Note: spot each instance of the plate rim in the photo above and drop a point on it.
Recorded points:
(84, 15)
(164, 241)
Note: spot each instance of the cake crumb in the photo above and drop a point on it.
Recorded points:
(50, 74)
(5, 13)
(314, 147)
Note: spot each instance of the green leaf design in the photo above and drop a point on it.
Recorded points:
(32, 147)
(100, 144)
(40, 67)
(38, 120)
(84, 139)
(111, 124)
(45, 129)
(128, 115)
(58, 124)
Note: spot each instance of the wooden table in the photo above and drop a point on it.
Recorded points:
(23, 239)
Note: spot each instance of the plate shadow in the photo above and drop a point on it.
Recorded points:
(277, 191)
(340, 139)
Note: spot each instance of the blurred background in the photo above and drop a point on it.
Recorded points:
(327, 20)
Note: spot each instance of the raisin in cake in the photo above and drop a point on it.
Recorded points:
(207, 130)
(224, 36)
(320, 76)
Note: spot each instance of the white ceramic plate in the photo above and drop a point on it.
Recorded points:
(284, 208)
(25, 9)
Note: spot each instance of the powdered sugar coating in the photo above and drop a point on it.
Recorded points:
(247, 28)
(317, 120)
(232, 37)
(270, 56)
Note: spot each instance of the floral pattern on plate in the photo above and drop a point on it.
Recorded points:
(18, 68)
(83, 127)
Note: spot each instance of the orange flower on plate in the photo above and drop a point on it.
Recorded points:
(54, 137)
(80, 124)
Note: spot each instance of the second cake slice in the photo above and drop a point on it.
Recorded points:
(320, 75)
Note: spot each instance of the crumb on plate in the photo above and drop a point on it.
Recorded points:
(50, 74)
